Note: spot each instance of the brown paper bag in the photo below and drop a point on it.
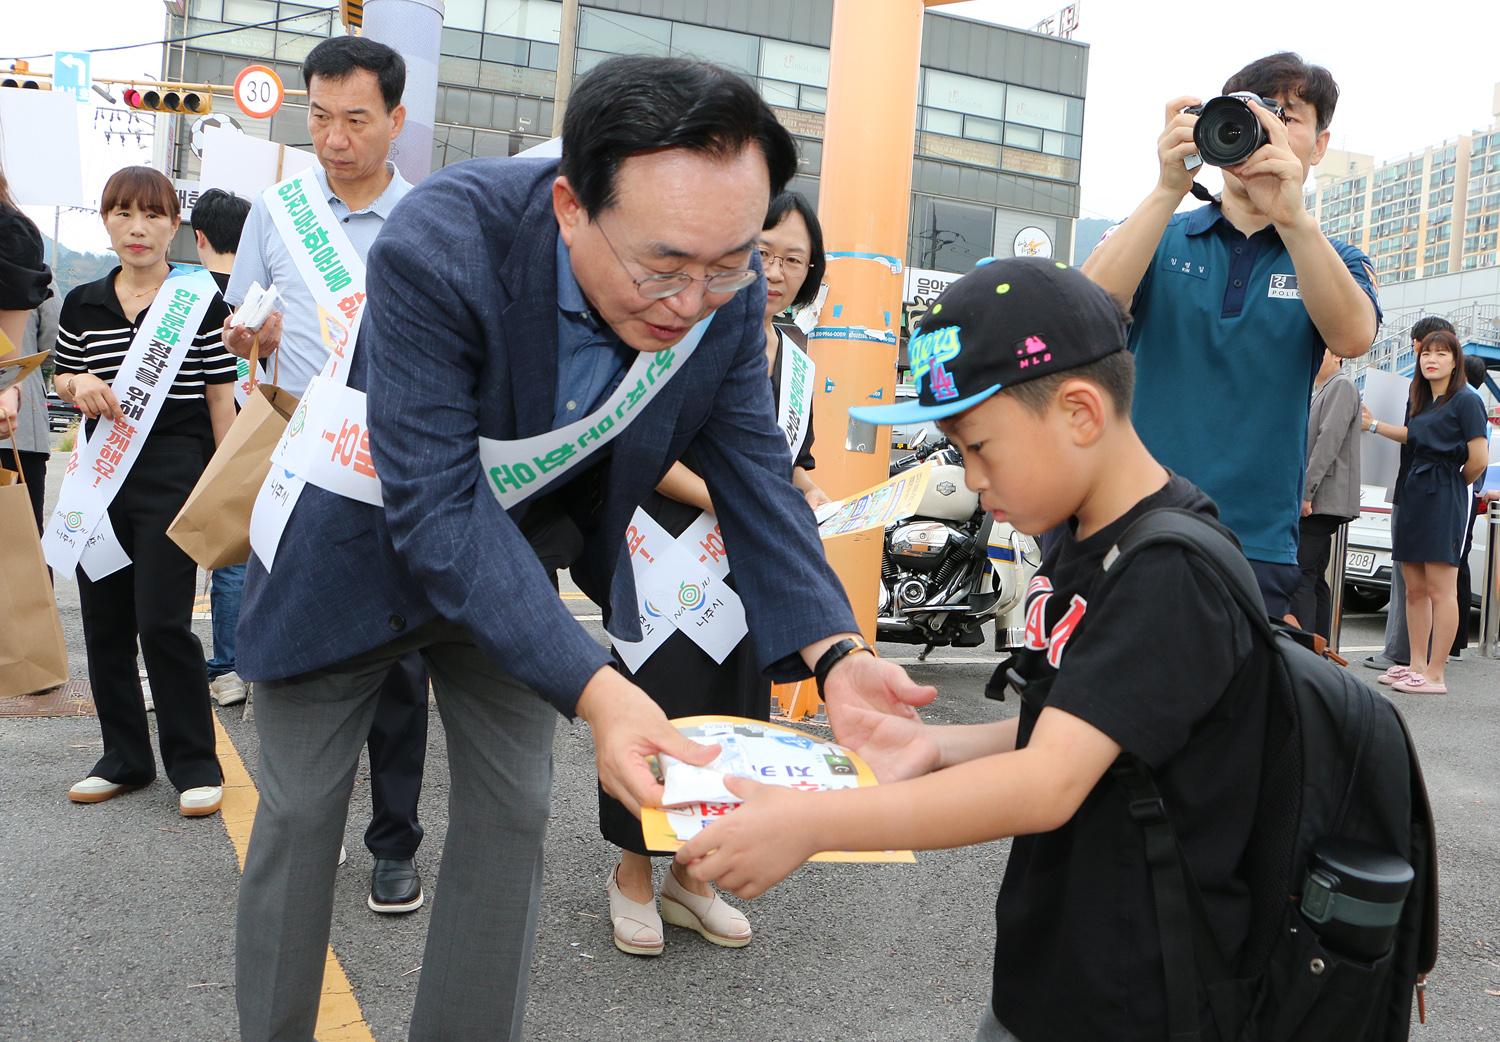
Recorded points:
(33, 656)
(213, 527)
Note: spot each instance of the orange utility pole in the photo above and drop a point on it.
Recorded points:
(864, 201)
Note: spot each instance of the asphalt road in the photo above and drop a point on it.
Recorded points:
(119, 920)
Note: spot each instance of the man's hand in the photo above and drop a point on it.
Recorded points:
(1175, 145)
(1273, 176)
(628, 727)
(238, 339)
(756, 845)
(869, 703)
(1307, 508)
(10, 405)
(1365, 417)
(94, 398)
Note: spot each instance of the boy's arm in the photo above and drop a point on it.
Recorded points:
(1120, 261)
(1035, 789)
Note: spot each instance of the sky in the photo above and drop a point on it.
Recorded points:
(1142, 54)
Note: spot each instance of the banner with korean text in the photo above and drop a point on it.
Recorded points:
(79, 531)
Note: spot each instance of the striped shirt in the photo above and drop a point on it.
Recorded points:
(93, 335)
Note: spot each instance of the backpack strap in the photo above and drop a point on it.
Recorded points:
(1190, 952)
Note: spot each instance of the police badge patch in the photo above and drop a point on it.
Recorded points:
(1284, 287)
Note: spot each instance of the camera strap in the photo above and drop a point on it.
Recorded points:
(1199, 192)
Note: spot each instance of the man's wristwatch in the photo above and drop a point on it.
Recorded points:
(1373, 425)
(836, 653)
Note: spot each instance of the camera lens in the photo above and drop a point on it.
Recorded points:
(1227, 132)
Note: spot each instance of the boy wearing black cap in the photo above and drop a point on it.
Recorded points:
(1024, 365)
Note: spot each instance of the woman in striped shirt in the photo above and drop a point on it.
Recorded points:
(152, 598)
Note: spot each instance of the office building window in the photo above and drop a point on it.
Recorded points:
(945, 90)
(526, 19)
(735, 51)
(950, 236)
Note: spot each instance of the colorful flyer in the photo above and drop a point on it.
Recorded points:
(769, 753)
(877, 507)
(14, 370)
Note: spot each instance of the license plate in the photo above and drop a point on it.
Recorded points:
(1359, 561)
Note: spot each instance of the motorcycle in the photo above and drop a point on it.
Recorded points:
(950, 567)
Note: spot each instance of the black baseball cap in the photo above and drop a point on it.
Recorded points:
(1009, 320)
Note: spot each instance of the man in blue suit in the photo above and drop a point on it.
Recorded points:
(507, 299)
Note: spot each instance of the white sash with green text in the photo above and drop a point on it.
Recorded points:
(795, 406)
(79, 532)
(334, 274)
(517, 470)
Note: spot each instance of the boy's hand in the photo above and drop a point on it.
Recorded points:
(756, 845)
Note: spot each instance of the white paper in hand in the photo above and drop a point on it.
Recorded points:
(776, 758)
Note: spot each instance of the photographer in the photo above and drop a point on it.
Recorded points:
(1233, 305)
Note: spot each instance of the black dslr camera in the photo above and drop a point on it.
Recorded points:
(1227, 132)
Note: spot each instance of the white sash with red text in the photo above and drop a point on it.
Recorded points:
(79, 532)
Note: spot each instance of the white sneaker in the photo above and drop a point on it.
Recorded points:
(343, 854)
(227, 690)
(201, 801)
(95, 789)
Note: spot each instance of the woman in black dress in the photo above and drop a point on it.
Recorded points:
(682, 678)
(1445, 429)
(151, 599)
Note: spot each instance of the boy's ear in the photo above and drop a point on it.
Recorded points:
(1086, 408)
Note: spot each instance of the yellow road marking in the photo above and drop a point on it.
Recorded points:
(339, 1018)
(572, 596)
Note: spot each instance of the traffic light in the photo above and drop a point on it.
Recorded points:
(20, 75)
(352, 13)
(169, 97)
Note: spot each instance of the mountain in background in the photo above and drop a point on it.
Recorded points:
(1086, 235)
(74, 268)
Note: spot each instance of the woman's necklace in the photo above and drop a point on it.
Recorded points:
(143, 292)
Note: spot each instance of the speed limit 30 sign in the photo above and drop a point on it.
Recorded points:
(258, 91)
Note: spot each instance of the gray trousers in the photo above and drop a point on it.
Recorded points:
(483, 924)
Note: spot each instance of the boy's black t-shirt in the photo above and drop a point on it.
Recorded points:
(1078, 955)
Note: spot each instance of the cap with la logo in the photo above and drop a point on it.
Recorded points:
(1007, 321)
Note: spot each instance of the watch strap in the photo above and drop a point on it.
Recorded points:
(836, 653)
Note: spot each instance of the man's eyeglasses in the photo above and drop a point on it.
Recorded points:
(790, 266)
(657, 287)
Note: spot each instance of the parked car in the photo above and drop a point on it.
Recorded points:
(60, 415)
(903, 433)
(1367, 561)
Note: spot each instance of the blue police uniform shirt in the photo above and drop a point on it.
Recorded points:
(1225, 355)
(591, 359)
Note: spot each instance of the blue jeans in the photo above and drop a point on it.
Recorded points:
(224, 598)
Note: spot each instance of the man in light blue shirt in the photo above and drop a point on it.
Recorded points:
(354, 113)
(263, 257)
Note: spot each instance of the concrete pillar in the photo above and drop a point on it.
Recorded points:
(414, 28)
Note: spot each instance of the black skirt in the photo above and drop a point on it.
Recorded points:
(684, 680)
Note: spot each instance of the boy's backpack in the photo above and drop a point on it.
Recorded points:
(1338, 765)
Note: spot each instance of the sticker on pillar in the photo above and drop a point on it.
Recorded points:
(827, 386)
(878, 395)
(893, 263)
(875, 336)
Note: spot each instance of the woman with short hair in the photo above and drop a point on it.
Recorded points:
(151, 598)
(682, 677)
